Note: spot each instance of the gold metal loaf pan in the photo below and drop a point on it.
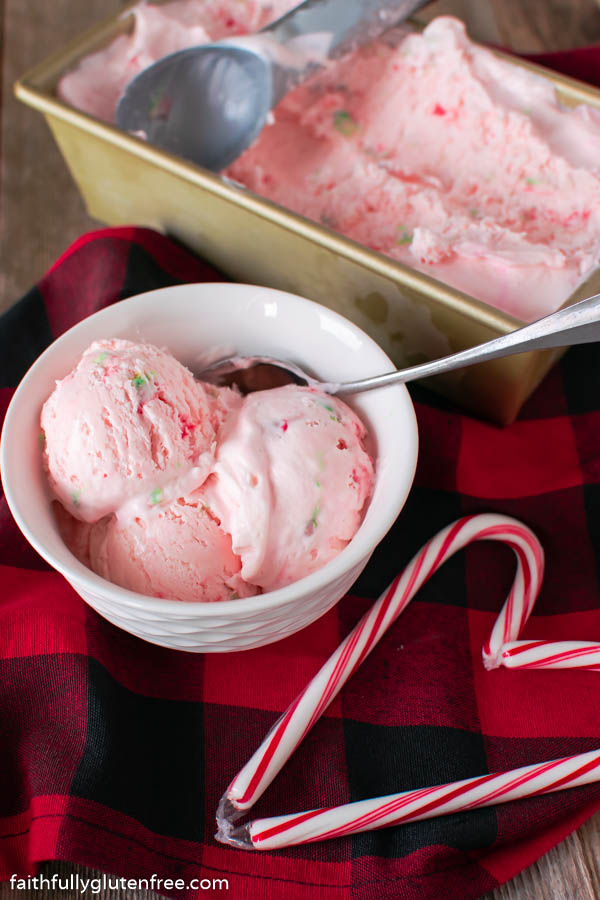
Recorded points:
(412, 316)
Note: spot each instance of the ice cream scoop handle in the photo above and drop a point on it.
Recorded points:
(347, 23)
(576, 324)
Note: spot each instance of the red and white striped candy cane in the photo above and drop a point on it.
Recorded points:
(410, 806)
(290, 729)
(551, 655)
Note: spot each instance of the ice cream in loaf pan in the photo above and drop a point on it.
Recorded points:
(427, 148)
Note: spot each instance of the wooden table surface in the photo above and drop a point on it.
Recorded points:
(41, 213)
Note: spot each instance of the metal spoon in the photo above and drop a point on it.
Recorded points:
(576, 324)
(208, 103)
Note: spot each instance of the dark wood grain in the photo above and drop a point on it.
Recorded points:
(526, 26)
(548, 24)
(41, 213)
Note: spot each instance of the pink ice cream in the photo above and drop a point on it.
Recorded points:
(290, 482)
(129, 423)
(425, 147)
(435, 152)
(177, 550)
(177, 489)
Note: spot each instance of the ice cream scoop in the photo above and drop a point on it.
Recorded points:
(290, 483)
(129, 423)
(178, 550)
(575, 324)
(209, 103)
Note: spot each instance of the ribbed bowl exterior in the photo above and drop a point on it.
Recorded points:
(180, 629)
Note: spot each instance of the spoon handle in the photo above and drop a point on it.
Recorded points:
(576, 324)
(343, 24)
(344, 20)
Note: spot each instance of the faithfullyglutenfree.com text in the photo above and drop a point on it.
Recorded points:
(95, 884)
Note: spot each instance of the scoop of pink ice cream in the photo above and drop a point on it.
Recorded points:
(290, 482)
(178, 552)
(128, 423)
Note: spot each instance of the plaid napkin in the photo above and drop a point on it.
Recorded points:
(114, 752)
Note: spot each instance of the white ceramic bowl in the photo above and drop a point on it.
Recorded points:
(191, 320)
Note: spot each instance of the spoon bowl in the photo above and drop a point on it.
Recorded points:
(165, 106)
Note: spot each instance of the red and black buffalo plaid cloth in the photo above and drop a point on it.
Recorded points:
(114, 753)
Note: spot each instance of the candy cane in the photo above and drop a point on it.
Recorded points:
(411, 806)
(291, 728)
(551, 655)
